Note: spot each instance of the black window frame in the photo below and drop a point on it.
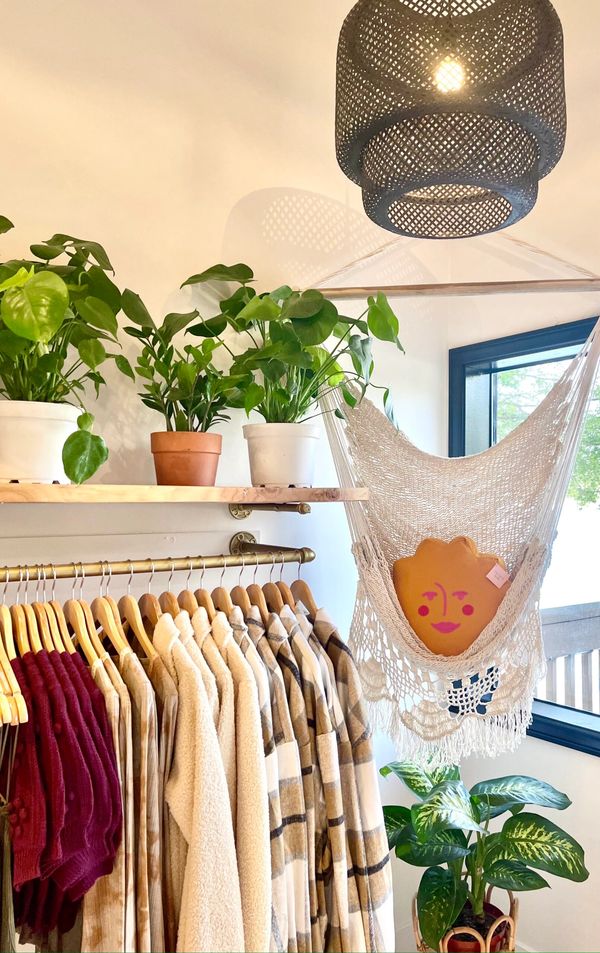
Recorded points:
(554, 723)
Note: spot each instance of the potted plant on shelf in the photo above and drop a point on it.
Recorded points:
(57, 311)
(448, 832)
(186, 388)
(300, 349)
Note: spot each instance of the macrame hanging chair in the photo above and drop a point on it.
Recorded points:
(508, 499)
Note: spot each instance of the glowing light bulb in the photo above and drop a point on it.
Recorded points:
(449, 75)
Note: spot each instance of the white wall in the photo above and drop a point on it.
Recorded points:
(184, 133)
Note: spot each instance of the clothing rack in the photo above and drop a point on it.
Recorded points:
(244, 550)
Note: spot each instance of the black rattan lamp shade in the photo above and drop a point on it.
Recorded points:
(449, 112)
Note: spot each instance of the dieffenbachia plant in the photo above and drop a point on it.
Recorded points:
(58, 315)
(448, 832)
(299, 348)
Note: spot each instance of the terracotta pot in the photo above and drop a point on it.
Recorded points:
(186, 459)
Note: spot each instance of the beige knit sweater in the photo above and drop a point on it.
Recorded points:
(252, 803)
(196, 792)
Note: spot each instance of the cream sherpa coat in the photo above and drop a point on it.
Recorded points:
(196, 792)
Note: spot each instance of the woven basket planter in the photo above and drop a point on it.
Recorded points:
(507, 921)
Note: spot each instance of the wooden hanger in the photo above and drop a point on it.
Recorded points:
(204, 599)
(301, 592)
(7, 652)
(55, 609)
(150, 609)
(221, 597)
(129, 611)
(240, 597)
(44, 627)
(257, 598)
(76, 618)
(168, 599)
(286, 594)
(105, 612)
(20, 629)
(186, 599)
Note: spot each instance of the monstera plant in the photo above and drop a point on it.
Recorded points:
(449, 831)
(57, 325)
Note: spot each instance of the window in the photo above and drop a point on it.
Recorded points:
(493, 387)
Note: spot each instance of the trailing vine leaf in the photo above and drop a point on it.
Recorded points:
(440, 899)
(83, 454)
(135, 309)
(92, 353)
(97, 313)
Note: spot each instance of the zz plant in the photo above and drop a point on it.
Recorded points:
(448, 832)
(299, 347)
(57, 317)
(183, 385)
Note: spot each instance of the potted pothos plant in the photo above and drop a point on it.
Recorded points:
(57, 318)
(186, 388)
(448, 831)
(299, 349)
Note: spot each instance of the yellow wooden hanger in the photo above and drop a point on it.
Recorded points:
(284, 589)
(204, 598)
(7, 652)
(150, 609)
(301, 592)
(186, 599)
(106, 613)
(78, 621)
(257, 597)
(239, 596)
(271, 592)
(129, 611)
(221, 597)
(168, 599)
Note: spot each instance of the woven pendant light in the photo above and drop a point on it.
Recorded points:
(449, 112)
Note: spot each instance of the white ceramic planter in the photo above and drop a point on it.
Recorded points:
(282, 454)
(32, 436)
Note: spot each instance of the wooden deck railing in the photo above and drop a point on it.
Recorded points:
(572, 643)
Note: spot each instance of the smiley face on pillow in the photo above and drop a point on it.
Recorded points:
(449, 592)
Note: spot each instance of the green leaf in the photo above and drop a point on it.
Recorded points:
(85, 421)
(441, 848)
(361, 354)
(534, 840)
(318, 327)
(238, 300)
(396, 819)
(447, 806)
(305, 305)
(97, 313)
(388, 406)
(18, 278)
(47, 252)
(253, 397)
(124, 366)
(5, 224)
(101, 286)
(440, 899)
(418, 780)
(135, 309)
(208, 329)
(174, 323)
(186, 377)
(513, 875)
(37, 310)
(239, 272)
(519, 789)
(91, 352)
(83, 453)
(382, 321)
(281, 294)
(260, 309)
(11, 345)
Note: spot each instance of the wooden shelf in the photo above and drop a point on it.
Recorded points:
(103, 493)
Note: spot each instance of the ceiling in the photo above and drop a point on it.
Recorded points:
(182, 132)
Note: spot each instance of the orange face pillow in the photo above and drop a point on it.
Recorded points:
(449, 592)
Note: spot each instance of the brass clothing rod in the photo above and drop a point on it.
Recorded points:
(469, 288)
(252, 555)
